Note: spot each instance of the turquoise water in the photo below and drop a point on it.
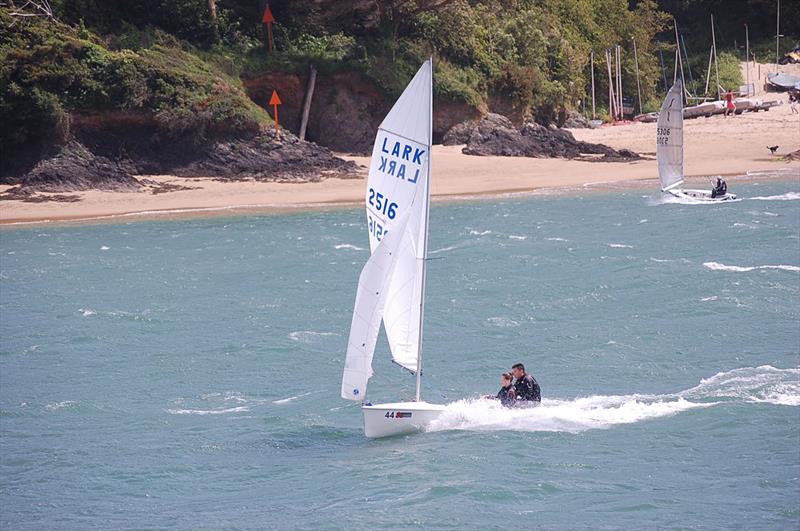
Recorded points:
(185, 374)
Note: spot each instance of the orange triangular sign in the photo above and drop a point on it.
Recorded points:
(274, 99)
(268, 18)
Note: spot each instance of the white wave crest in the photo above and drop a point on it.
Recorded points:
(502, 322)
(515, 237)
(290, 398)
(620, 246)
(86, 312)
(480, 233)
(216, 411)
(764, 384)
(349, 246)
(790, 196)
(556, 240)
(716, 266)
(55, 406)
(307, 336)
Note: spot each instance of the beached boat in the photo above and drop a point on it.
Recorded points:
(669, 150)
(781, 81)
(391, 287)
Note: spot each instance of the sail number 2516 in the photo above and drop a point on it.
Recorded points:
(382, 204)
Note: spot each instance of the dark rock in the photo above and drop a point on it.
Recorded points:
(264, 158)
(495, 135)
(575, 120)
(459, 133)
(75, 168)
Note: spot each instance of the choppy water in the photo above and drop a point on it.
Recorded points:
(185, 374)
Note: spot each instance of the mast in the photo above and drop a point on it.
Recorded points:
(638, 85)
(716, 61)
(777, 34)
(680, 57)
(747, 55)
(427, 199)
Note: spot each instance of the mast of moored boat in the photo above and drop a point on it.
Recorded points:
(427, 199)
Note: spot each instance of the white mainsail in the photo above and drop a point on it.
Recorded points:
(669, 138)
(392, 283)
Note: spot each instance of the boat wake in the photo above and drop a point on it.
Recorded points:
(764, 384)
(791, 196)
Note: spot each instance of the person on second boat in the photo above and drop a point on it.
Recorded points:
(720, 189)
(526, 388)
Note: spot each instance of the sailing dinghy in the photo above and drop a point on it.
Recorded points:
(669, 149)
(391, 287)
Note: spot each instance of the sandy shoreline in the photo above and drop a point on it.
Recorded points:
(714, 146)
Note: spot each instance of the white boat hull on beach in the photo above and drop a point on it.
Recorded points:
(700, 195)
(385, 420)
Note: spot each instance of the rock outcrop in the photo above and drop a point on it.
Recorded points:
(74, 167)
(496, 135)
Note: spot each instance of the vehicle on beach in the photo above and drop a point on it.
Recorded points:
(669, 151)
(391, 287)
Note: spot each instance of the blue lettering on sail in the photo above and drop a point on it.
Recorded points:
(401, 151)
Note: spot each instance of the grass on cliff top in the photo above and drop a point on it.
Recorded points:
(49, 70)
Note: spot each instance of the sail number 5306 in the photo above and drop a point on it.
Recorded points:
(382, 204)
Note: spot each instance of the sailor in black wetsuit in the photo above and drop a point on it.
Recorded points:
(526, 388)
(506, 393)
(720, 189)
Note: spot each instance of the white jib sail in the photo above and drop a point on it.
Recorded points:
(669, 138)
(397, 204)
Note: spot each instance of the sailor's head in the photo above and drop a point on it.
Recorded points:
(506, 378)
(518, 370)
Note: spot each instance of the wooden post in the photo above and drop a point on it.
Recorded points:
(591, 58)
(312, 79)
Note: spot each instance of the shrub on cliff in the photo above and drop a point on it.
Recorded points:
(50, 70)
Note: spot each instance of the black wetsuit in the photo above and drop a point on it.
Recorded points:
(527, 389)
(503, 397)
(720, 189)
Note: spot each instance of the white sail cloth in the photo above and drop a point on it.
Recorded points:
(669, 138)
(391, 284)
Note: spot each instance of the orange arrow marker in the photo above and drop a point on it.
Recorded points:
(274, 100)
(268, 19)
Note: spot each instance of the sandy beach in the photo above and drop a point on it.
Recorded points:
(732, 146)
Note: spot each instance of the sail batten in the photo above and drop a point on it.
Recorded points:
(669, 139)
(396, 204)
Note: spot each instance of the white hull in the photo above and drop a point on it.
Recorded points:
(385, 420)
(700, 195)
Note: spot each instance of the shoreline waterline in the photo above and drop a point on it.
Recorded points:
(245, 209)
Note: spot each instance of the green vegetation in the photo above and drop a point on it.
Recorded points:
(180, 61)
(49, 70)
